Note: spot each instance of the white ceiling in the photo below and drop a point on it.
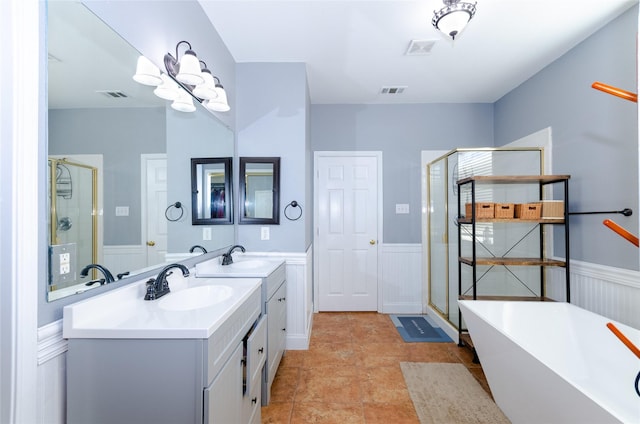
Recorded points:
(354, 48)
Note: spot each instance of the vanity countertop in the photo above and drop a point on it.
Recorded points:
(193, 309)
(242, 266)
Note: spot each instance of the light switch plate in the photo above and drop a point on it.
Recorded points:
(402, 208)
(122, 210)
(206, 233)
(264, 233)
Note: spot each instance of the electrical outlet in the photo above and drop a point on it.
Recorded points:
(206, 233)
(264, 233)
(65, 263)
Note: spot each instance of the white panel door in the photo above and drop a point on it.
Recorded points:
(347, 232)
(154, 207)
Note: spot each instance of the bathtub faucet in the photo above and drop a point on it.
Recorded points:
(227, 259)
(159, 286)
(108, 277)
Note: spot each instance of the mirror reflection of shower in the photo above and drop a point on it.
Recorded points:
(72, 208)
(64, 190)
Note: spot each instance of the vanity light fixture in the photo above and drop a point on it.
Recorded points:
(168, 90)
(184, 102)
(184, 81)
(219, 104)
(187, 70)
(146, 72)
(452, 18)
(206, 90)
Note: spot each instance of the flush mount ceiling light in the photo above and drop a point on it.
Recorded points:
(452, 18)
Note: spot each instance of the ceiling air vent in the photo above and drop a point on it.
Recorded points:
(112, 94)
(420, 47)
(393, 90)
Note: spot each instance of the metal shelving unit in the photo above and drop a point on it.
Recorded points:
(468, 225)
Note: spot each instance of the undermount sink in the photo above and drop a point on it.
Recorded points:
(195, 298)
(249, 264)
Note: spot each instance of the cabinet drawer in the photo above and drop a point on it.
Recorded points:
(256, 352)
(251, 403)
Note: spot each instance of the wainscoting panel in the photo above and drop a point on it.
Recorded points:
(124, 257)
(610, 292)
(52, 368)
(400, 279)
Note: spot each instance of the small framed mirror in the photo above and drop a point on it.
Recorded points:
(259, 190)
(211, 192)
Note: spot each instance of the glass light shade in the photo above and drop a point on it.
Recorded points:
(206, 90)
(168, 90)
(183, 103)
(146, 72)
(453, 23)
(453, 18)
(219, 104)
(190, 72)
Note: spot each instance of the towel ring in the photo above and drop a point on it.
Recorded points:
(176, 205)
(293, 204)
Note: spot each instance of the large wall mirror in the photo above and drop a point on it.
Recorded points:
(211, 194)
(102, 123)
(259, 190)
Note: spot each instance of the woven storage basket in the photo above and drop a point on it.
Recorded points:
(483, 210)
(504, 210)
(552, 209)
(528, 210)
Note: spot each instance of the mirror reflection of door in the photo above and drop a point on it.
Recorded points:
(259, 190)
(258, 201)
(211, 191)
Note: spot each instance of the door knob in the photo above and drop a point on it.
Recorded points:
(372, 242)
(151, 243)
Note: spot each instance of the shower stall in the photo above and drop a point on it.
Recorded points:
(442, 201)
(72, 220)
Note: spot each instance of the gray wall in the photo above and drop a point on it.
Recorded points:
(595, 136)
(272, 120)
(401, 132)
(193, 135)
(116, 134)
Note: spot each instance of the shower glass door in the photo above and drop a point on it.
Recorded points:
(73, 216)
(438, 236)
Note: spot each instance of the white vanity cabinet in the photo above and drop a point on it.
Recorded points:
(170, 379)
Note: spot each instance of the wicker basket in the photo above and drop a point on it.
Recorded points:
(528, 210)
(504, 210)
(483, 210)
(552, 209)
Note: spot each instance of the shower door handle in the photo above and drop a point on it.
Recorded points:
(151, 243)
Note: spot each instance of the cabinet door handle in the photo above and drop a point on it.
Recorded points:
(254, 400)
(261, 350)
(282, 299)
(284, 329)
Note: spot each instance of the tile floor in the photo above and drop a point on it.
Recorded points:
(351, 373)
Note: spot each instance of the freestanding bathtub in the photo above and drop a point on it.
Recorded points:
(553, 362)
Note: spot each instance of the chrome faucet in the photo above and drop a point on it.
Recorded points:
(108, 277)
(159, 286)
(227, 259)
(197, 246)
